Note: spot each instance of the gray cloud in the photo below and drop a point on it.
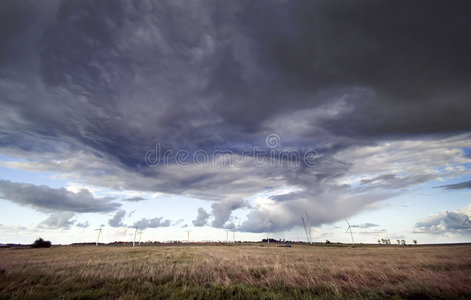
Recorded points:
(222, 211)
(201, 218)
(332, 76)
(392, 181)
(134, 199)
(83, 225)
(324, 205)
(45, 198)
(59, 220)
(364, 225)
(445, 222)
(219, 72)
(117, 220)
(152, 223)
(397, 237)
(457, 186)
(379, 232)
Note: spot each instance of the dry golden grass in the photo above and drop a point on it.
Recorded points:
(203, 272)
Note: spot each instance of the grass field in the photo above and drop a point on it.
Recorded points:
(236, 271)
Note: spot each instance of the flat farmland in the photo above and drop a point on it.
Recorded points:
(237, 271)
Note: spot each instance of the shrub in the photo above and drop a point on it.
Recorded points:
(40, 243)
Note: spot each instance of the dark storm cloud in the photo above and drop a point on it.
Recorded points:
(457, 186)
(117, 220)
(404, 53)
(107, 80)
(45, 198)
(188, 68)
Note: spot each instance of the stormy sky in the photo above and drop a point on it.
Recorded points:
(254, 111)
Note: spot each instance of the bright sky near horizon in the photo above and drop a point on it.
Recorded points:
(175, 116)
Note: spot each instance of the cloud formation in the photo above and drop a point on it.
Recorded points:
(377, 88)
(134, 199)
(83, 224)
(117, 220)
(447, 222)
(201, 218)
(152, 223)
(48, 199)
(457, 186)
(364, 225)
(61, 220)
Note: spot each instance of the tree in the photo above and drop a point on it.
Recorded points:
(40, 243)
(415, 242)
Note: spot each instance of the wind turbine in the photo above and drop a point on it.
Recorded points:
(227, 236)
(307, 227)
(99, 233)
(349, 228)
(134, 240)
(268, 233)
(140, 237)
(188, 236)
(233, 236)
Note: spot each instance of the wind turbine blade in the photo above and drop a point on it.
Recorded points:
(308, 228)
(305, 229)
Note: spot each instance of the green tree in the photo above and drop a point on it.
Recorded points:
(40, 243)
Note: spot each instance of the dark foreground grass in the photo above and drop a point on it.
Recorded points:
(238, 272)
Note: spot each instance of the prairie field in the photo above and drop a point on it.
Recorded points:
(236, 271)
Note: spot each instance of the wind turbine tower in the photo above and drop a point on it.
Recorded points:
(140, 237)
(134, 240)
(188, 236)
(349, 228)
(99, 233)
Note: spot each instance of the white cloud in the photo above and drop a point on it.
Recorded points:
(458, 221)
(59, 220)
